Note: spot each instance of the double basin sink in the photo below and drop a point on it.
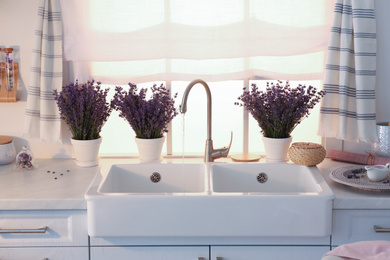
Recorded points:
(209, 200)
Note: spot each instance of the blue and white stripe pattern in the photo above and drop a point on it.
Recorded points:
(348, 108)
(42, 119)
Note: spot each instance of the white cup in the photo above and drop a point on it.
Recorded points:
(378, 172)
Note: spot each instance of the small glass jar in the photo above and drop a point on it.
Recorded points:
(25, 159)
(9, 69)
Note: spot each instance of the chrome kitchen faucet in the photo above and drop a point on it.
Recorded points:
(210, 153)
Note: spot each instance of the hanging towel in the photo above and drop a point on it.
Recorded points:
(348, 108)
(42, 119)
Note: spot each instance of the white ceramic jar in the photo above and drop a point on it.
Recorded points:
(7, 150)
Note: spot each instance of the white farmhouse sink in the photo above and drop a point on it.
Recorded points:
(209, 200)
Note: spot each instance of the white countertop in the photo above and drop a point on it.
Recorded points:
(41, 189)
(347, 197)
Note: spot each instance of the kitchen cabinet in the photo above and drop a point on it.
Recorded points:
(44, 253)
(43, 234)
(209, 248)
(203, 252)
(360, 225)
(267, 252)
(150, 253)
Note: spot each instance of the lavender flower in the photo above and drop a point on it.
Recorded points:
(84, 109)
(148, 118)
(279, 109)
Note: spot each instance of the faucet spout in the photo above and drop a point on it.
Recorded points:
(210, 153)
(183, 107)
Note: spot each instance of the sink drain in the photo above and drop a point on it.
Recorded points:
(155, 177)
(262, 177)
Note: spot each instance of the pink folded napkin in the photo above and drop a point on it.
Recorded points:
(366, 250)
(367, 159)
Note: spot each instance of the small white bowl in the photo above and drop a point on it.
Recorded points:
(7, 153)
(377, 172)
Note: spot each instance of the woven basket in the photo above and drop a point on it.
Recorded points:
(308, 154)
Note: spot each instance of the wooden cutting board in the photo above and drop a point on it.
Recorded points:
(245, 157)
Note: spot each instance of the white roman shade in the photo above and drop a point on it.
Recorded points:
(118, 41)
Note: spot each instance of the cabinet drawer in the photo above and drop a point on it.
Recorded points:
(358, 225)
(268, 252)
(43, 228)
(150, 253)
(44, 253)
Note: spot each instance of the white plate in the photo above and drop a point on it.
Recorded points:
(345, 175)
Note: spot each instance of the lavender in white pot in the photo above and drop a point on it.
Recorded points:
(85, 110)
(149, 118)
(278, 110)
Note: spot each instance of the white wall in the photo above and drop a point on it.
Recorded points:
(17, 23)
(383, 60)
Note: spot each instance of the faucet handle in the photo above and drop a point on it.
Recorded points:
(231, 140)
(222, 152)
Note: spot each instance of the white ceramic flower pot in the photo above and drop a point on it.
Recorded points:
(150, 149)
(276, 149)
(86, 152)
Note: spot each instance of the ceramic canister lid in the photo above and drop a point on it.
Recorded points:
(8, 49)
(5, 139)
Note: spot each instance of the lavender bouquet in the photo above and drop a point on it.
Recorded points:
(84, 109)
(148, 118)
(279, 109)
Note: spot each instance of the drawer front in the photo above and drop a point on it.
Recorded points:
(268, 252)
(43, 228)
(44, 253)
(358, 225)
(150, 253)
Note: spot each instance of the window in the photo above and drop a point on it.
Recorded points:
(188, 131)
(229, 44)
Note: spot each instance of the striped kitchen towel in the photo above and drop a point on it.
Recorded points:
(348, 108)
(42, 119)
